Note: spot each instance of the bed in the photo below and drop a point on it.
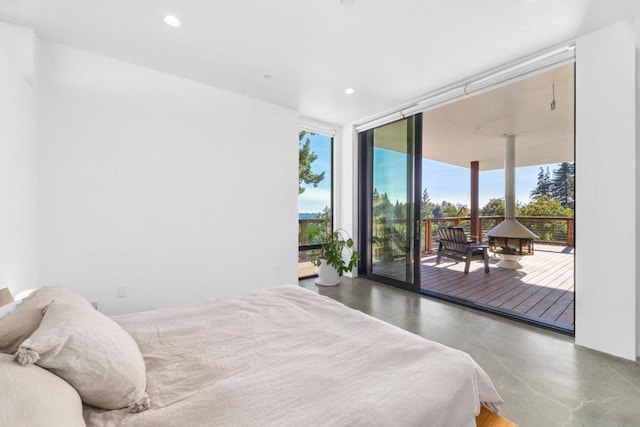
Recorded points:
(284, 356)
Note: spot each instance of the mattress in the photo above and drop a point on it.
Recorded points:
(287, 356)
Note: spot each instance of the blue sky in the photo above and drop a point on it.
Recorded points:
(443, 181)
(452, 183)
(448, 182)
(314, 200)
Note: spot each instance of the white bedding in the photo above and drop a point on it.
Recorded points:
(289, 357)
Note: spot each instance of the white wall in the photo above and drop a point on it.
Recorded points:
(345, 163)
(346, 167)
(17, 164)
(606, 190)
(19, 44)
(174, 189)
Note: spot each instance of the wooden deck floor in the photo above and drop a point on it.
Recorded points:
(543, 290)
(306, 269)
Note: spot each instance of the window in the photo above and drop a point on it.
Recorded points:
(315, 195)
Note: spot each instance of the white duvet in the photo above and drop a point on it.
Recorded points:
(289, 357)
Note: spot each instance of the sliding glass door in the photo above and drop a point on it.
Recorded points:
(389, 202)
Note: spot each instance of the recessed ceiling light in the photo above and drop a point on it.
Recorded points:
(348, 3)
(172, 21)
(349, 91)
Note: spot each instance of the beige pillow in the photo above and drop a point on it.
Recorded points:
(18, 325)
(32, 396)
(5, 296)
(92, 353)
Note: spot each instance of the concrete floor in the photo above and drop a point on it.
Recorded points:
(543, 377)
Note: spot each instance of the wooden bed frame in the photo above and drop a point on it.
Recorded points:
(489, 419)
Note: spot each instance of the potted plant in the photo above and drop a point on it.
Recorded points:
(337, 247)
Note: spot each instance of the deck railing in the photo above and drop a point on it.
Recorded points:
(309, 231)
(551, 229)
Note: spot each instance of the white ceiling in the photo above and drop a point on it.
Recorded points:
(474, 128)
(388, 51)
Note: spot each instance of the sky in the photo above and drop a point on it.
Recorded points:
(453, 183)
(314, 200)
(442, 181)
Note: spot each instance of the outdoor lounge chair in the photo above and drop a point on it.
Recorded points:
(454, 244)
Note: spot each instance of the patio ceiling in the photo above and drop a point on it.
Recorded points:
(473, 128)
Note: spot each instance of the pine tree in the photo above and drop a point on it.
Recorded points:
(306, 159)
(562, 184)
(382, 206)
(543, 188)
(400, 211)
(427, 206)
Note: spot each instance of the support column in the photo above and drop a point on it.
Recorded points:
(510, 177)
(475, 197)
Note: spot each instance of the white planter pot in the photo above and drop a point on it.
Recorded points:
(327, 275)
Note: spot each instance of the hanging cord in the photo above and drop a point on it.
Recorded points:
(553, 102)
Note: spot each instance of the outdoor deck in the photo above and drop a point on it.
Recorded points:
(543, 290)
(306, 268)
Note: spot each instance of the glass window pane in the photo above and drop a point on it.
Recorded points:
(314, 193)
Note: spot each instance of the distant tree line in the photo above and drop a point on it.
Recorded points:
(552, 196)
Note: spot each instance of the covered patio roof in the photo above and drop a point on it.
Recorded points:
(473, 129)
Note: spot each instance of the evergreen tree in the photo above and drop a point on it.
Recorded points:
(543, 188)
(382, 206)
(376, 202)
(306, 159)
(562, 184)
(400, 210)
(426, 209)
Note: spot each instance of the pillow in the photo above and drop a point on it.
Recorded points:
(17, 326)
(92, 353)
(23, 294)
(33, 396)
(5, 296)
(9, 308)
